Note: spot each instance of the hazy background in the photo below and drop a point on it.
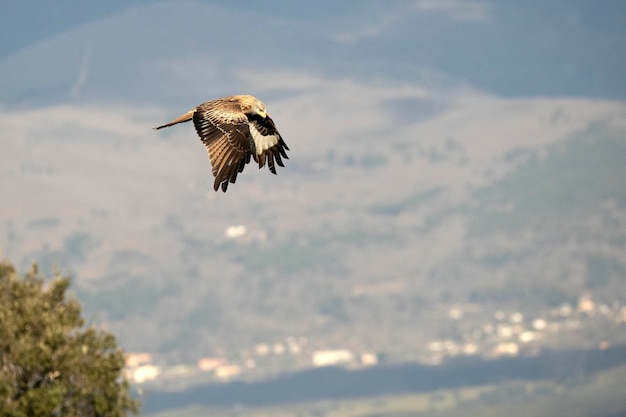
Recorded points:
(444, 154)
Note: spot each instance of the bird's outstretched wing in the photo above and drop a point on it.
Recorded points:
(269, 145)
(224, 130)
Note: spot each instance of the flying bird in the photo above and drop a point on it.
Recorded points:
(233, 129)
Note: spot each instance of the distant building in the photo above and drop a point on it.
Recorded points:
(278, 349)
(143, 373)
(138, 368)
(455, 313)
(586, 304)
(262, 349)
(295, 349)
(227, 371)
(505, 331)
(234, 232)
(209, 364)
(539, 324)
(470, 349)
(436, 346)
(516, 318)
(564, 310)
(332, 357)
(505, 349)
(369, 359)
(133, 360)
(528, 336)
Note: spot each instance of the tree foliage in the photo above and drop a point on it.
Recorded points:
(51, 364)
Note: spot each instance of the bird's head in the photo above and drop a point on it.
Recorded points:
(252, 107)
(258, 108)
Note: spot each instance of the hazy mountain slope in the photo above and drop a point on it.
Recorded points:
(371, 221)
(416, 182)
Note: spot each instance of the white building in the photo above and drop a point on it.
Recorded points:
(143, 373)
(332, 357)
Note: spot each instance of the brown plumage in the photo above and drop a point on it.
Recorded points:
(233, 129)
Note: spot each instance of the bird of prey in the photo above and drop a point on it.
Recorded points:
(233, 129)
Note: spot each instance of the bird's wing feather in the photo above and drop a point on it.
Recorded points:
(269, 145)
(223, 128)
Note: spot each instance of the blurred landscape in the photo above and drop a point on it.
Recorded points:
(455, 188)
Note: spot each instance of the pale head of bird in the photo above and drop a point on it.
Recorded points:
(254, 106)
(259, 108)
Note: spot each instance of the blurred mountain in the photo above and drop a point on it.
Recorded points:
(443, 153)
(182, 52)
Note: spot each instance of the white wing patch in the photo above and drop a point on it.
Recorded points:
(262, 143)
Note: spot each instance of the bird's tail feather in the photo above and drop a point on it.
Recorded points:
(181, 119)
